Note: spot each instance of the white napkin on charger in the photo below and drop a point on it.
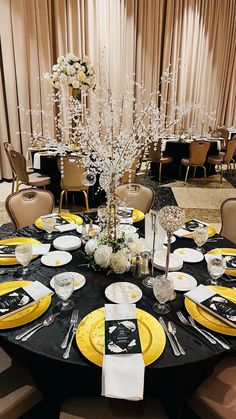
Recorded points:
(40, 249)
(66, 227)
(122, 375)
(181, 232)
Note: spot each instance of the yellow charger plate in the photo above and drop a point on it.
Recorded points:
(28, 314)
(137, 216)
(225, 251)
(211, 232)
(207, 319)
(16, 240)
(90, 336)
(71, 218)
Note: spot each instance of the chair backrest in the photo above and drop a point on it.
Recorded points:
(130, 175)
(25, 206)
(136, 196)
(19, 166)
(198, 152)
(228, 219)
(224, 134)
(9, 147)
(72, 169)
(154, 151)
(230, 150)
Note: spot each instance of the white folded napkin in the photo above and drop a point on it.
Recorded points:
(122, 375)
(37, 162)
(40, 249)
(66, 227)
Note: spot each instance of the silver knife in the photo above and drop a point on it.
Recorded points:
(172, 343)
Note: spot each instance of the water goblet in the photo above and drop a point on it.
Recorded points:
(64, 287)
(163, 291)
(23, 254)
(216, 267)
(49, 225)
(200, 236)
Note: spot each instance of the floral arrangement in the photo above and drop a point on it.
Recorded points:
(75, 72)
(104, 253)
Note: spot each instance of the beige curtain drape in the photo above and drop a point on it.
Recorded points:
(130, 36)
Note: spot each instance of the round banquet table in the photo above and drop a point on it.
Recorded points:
(170, 378)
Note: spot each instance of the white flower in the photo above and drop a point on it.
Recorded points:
(136, 247)
(76, 84)
(102, 255)
(119, 263)
(60, 60)
(72, 57)
(90, 247)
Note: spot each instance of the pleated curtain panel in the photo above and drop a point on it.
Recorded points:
(131, 36)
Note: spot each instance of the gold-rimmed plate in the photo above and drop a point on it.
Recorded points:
(225, 251)
(16, 241)
(71, 218)
(28, 314)
(90, 336)
(211, 232)
(207, 319)
(137, 216)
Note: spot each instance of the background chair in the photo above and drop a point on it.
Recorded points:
(156, 156)
(228, 219)
(71, 178)
(130, 175)
(136, 196)
(216, 397)
(104, 408)
(25, 206)
(18, 392)
(9, 147)
(23, 177)
(197, 156)
(224, 157)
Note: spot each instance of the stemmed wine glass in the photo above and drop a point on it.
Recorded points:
(163, 291)
(23, 254)
(216, 267)
(49, 225)
(64, 287)
(200, 236)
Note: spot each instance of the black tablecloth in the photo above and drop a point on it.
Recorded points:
(171, 378)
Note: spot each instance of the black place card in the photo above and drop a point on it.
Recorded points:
(215, 303)
(7, 250)
(192, 224)
(122, 337)
(14, 300)
(59, 219)
(125, 212)
(230, 261)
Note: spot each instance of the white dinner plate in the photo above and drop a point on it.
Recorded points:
(182, 281)
(189, 255)
(123, 292)
(79, 280)
(67, 243)
(175, 262)
(56, 258)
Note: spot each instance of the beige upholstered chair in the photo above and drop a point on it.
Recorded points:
(197, 156)
(18, 392)
(216, 397)
(136, 196)
(105, 408)
(225, 157)
(71, 178)
(155, 156)
(228, 219)
(23, 177)
(130, 175)
(25, 206)
(224, 133)
(9, 147)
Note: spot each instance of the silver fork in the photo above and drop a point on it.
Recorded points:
(67, 351)
(218, 340)
(73, 321)
(187, 323)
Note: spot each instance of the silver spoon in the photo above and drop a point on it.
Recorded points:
(47, 322)
(172, 330)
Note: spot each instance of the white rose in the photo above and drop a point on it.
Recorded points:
(76, 84)
(119, 262)
(102, 255)
(55, 67)
(90, 247)
(136, 247)
(71, 57)
(60, 60)
(131, 237)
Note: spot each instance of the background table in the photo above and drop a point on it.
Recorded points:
(169, 377)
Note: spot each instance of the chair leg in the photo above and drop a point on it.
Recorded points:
(66, 196)
(147, 168)
(160, 167)
(221, 172)
(61, 199)
(205, 173)
(13, 183)
(194, 172)
(186, 176)
(17, 185)
(86, 200)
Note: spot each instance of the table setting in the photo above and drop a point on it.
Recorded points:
(44, 326)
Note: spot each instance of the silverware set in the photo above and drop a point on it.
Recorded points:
(174, 343)
(29, 332)
(74, 322)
